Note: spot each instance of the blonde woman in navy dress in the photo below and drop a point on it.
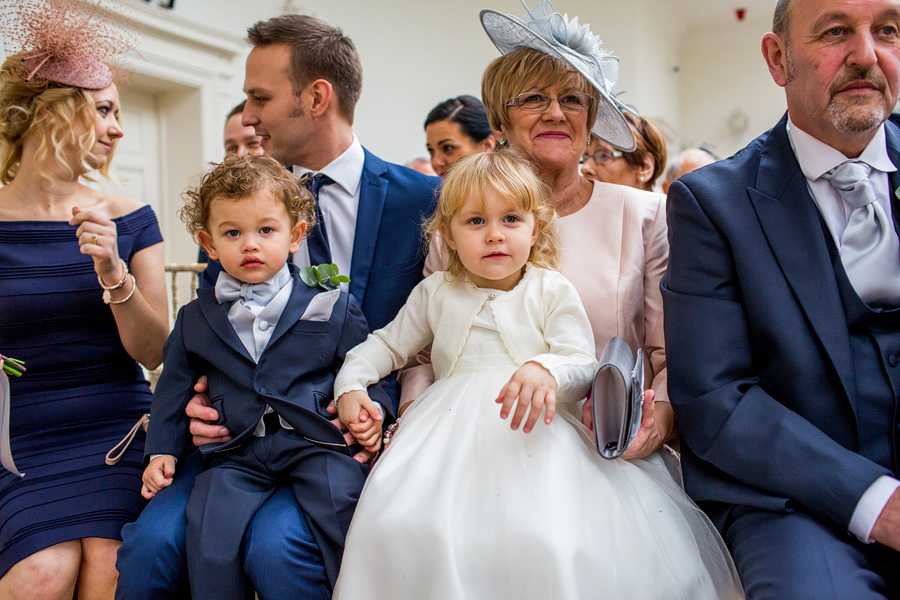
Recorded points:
(61, 243)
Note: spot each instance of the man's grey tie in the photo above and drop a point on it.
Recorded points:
(870, 250)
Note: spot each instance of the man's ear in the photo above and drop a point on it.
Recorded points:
(206, 241)
(322, 93)
(774, 50)
(297, 232)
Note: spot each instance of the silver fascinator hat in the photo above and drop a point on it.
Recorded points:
(545, 30)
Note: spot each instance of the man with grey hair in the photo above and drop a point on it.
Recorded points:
(782, 304)
(685, 162)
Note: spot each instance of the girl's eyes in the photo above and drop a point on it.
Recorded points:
(265, 230)
(511, 219)
(476, 221)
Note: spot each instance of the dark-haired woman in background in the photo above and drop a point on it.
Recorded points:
(639, 168)
(455, 128)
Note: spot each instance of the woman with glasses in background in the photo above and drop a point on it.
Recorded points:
(455, 128)
(639, 168)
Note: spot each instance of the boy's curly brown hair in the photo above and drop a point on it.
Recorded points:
(237, 177)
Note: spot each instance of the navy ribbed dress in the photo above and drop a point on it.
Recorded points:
(81, 394)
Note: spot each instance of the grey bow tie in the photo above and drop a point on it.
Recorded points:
(228, 289)
(870, 251)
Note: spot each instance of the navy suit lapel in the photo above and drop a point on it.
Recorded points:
(893, 147)
(301, 296)
(790, 222)
(217, 316)
(372, 192)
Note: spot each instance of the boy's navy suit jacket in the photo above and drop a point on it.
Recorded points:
(294, 375)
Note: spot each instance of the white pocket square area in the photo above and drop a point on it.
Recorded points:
(320, 307)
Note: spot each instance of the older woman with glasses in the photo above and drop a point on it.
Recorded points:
(545, 99)
(639, 168)
(564, 522)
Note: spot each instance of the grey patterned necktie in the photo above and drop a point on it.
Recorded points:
(870, 250)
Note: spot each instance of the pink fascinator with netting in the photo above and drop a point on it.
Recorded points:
(68, 42)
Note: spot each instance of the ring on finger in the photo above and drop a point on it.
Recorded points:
(95, 238)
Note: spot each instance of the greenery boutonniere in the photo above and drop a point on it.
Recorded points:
(324, 276)
(12, 366)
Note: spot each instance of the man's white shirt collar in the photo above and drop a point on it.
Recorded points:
(345, 170)
(817, 158)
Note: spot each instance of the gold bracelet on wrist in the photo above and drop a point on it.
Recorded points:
(109, 300)
(108, 288)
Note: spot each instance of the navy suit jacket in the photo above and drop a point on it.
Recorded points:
(388, 253)
(294, 375)
(388, 250)
(760, 372)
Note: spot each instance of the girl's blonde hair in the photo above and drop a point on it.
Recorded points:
(511, 176)
(49, 114)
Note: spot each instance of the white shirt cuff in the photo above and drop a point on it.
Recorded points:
(869, 507)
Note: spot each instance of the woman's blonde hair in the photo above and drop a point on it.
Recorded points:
(511, 176)
(50, 115)
(523, 70)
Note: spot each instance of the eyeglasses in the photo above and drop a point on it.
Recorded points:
(537, 102)
(602, 157)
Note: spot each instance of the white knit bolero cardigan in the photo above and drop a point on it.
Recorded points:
(541, 320)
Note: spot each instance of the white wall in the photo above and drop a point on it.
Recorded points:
(723, 73)
(418, 53)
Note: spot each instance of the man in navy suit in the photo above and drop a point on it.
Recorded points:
(782, 303)
(303, 79)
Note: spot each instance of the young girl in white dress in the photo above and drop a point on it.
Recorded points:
(465, 505)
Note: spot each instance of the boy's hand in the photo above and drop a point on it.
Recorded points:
(158, 475)
(367, 430)
(534, 386)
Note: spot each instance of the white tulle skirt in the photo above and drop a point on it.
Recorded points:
(462, 507)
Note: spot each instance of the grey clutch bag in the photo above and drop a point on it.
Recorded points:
(617, 394)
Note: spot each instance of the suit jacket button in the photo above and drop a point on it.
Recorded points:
(892, 360)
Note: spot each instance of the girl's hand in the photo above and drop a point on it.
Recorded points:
(534, 386)
(158, 475)
(97, 237)
(367, 430)
(349, 404)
